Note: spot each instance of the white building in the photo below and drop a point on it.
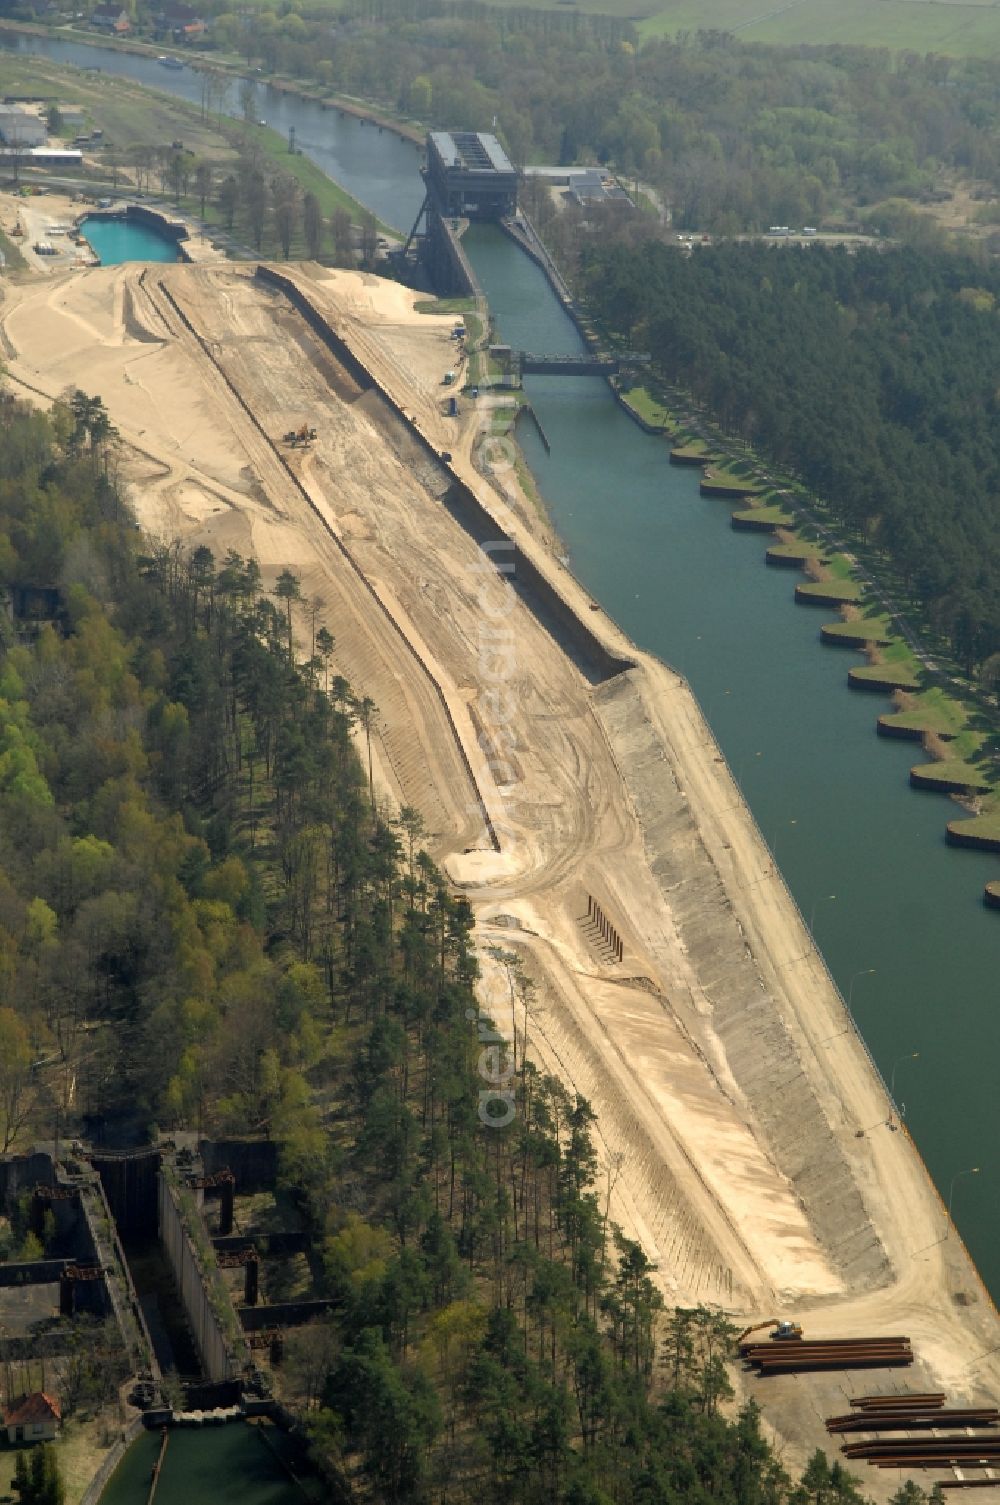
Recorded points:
(21, 128)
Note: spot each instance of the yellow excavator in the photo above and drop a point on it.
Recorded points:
(783, 1331)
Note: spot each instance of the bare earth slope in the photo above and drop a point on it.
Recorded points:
(743, 1126)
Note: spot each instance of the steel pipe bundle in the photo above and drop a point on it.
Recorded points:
(898, 1419)
(912, 1400)
(918, 1461)
(793, 1356)
(927, 1452)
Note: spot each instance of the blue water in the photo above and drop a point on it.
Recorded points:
(118, 240)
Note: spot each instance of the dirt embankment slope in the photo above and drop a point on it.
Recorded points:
(743, 1130)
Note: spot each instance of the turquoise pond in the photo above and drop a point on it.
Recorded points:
(118, 240)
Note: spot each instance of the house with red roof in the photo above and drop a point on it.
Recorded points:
(109, 16)
(32, 1418)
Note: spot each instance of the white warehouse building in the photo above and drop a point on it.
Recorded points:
(21, 128)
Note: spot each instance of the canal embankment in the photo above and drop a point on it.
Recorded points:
(778, 503)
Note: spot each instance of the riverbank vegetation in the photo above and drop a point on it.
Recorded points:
(733, 136)
(934, 545)
(206, 920)
(234, 176)
(871, 378)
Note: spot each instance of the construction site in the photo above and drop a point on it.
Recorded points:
(571, 788)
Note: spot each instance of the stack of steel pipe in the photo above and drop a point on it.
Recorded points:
(795, 1355)
(913, 1400)
(927, 1452)
(899, 1419)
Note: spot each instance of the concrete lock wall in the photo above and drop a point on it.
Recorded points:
(22, 1173)
(33, 1272)
(129, 1182)
(110, 1462)
(254, 1162)
(447, 264)
(210, 1341)
(255, 1319)
(551, 609)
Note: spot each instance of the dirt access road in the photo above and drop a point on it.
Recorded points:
(742, 1128)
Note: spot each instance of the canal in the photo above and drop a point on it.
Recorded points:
(238, 1464)
(896, 913)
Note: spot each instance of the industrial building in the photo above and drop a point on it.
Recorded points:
(22, 128)
(584, 185)
(470, 176)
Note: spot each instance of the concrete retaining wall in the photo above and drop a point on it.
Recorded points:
(213, 1350)
(726, 489)
(930, 783)
(744, 524)
(956, 837)
(886, 728)
(449, 268)
(109, 1254)
(834, 638)
(656, 429)
(877, 686)
(173, 229)
(33, 1272)
(806, 597)
(110, 1462)
(254, 1162)
(20, 1174)
(282, 1314)
(550, 608)
(130, 1185)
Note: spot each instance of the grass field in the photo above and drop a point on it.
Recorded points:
(127, 114)
(949, 26)
(987, 824)
(648, 407)
(933, 711)
(132, 116)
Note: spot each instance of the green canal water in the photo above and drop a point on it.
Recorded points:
(229, 1465)
(118, 240)
(863, 854)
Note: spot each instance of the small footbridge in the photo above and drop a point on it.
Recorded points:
(596, 364)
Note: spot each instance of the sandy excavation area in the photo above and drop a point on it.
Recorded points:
(743, 1131)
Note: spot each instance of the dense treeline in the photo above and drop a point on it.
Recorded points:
(736, 136)
(205, 918)
(134, 748)
(875, 377)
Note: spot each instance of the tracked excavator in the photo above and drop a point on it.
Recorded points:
(782, 1331)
